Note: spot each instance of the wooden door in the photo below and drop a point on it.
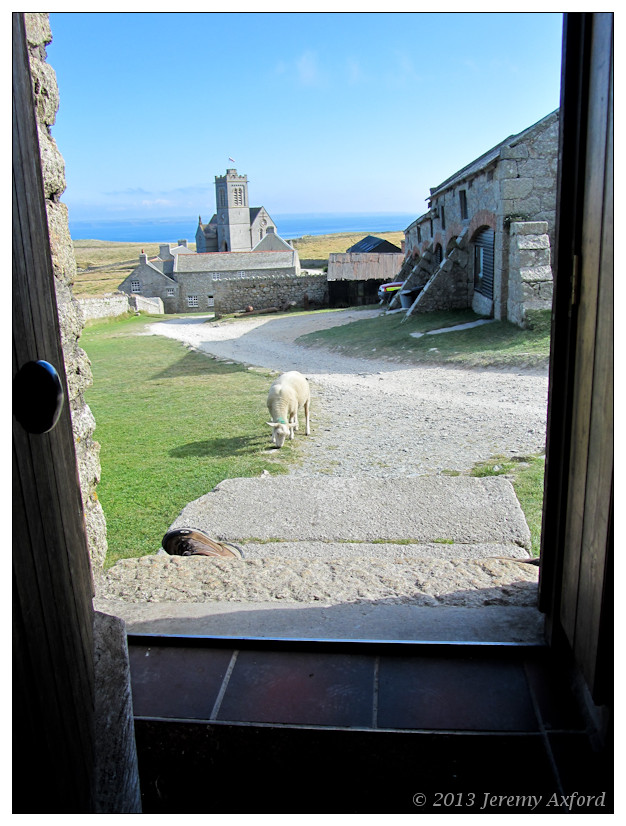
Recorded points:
(577, 541)
(53, 678)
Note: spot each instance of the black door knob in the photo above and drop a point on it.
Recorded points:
(37, 396)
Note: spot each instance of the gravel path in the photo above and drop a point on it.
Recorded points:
(369, 419)
(378, 418)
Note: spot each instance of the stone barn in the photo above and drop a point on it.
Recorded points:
(487, 237)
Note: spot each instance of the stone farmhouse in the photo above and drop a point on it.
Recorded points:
(354, 276)
(240, 261)
(487, 237)
(225, 282)
(236, 226)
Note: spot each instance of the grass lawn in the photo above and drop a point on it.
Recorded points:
(499, 344)
(172, 423)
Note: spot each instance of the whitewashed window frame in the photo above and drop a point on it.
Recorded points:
(192, 300)
(135, 286)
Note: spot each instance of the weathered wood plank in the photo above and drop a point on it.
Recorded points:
(597, 514)
(53, 615)
(585, 358)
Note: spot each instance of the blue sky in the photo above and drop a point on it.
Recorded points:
(325, 112)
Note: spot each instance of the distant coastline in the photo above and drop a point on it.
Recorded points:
(169, 230)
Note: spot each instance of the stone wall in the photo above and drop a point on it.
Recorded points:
(530, 273)
(232, 294)
(77, 366)
(146, 304)
(103, 307)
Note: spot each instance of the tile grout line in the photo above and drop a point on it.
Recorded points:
(542, 728)
(375, 698)
(224, 686)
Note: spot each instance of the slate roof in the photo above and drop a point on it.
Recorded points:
(489, 157)
(373, 244)
(234, 261)
(272, 241)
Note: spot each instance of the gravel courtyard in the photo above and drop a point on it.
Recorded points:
(377, 418)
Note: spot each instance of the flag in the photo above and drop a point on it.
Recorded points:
(233, 160)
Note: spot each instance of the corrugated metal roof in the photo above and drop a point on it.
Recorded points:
(373, 244)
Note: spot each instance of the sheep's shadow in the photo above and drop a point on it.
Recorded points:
(220, 447)
(197, 364)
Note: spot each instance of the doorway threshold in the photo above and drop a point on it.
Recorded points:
(356, 621)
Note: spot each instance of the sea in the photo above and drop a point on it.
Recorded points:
(170, 230)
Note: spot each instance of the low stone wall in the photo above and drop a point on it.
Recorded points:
(232, 295)
(147, 304)
(530, 273)
(108, 305)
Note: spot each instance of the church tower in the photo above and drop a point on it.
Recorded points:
(233, 212)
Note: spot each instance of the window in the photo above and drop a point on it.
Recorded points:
(192, 300)
(135, 287)
(431, 228)
(419, 235)
(170, 292)
(216, 276)
(241, 273)
(238, 196)
(210, 301)
(443, 217)
(463, 202)
(222, 197)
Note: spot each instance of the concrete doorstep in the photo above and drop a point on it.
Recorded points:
(342, 558)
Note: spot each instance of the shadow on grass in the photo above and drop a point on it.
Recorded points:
(198, 364)
(220, 448)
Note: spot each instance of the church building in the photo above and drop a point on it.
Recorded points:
(236, 226)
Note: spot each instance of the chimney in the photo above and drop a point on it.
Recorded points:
(164, 251)
(182, 243)
(143, 258)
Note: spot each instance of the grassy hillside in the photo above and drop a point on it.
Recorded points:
(103, 265)
(320, 246)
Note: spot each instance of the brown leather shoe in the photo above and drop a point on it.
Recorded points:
(185, 542)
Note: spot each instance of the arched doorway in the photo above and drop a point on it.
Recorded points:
(483, 262)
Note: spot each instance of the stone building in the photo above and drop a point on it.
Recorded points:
(236, 226)
(487, 237)
(225, 282)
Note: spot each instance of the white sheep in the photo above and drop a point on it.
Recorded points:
(288, 392)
